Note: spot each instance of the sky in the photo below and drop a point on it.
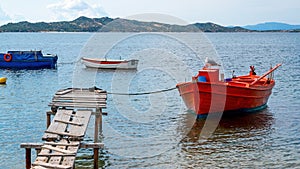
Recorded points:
(223, 12)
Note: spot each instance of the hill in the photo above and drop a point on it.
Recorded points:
(105, 24)
(81, 24)
(272, 26)
(211, 27)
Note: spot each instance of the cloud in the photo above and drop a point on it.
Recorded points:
(71, 9)
(4, 18)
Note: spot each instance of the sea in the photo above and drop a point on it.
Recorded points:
(147, 124)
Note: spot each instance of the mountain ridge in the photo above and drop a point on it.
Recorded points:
(272, 26)
(106, 24)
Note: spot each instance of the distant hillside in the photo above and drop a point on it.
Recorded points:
(211, 27)
(272, 26)
(105, 24)
(124, 25)
(81, 24)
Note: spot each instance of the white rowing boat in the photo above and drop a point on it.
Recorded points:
(103, 63)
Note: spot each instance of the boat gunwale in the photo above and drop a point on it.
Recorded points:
(224, 84)
(108, 64)
(231, 84)
(94, 60)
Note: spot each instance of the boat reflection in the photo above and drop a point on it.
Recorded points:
(232, 125)
(236, 140)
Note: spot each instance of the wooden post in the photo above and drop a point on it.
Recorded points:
(96, 156)
(98, 124)
(48, 119)
(96, 134)
(28, 158)
(100, 120)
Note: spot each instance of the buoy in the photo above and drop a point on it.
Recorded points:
(3, 80)
(7, 57)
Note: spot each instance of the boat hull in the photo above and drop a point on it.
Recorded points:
(27, 60)
(109, 64)
(27, 65)
(204, 97)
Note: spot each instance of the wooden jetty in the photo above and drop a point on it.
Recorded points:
(72, 109)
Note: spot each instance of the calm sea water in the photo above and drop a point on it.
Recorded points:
(155, 131)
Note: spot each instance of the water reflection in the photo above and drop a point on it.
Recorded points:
(240, 137)
(234, 125)
(3, 85)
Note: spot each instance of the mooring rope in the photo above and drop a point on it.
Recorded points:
(144, 93)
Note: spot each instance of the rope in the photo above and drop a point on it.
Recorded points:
(144, 93)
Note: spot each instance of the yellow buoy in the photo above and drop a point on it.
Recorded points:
(3, 80)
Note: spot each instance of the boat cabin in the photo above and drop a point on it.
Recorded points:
(207, 75)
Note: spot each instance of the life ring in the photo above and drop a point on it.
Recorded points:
(7, 57)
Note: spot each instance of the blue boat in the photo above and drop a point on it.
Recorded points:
(27, 60)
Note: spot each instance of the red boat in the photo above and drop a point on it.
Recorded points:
(207, 94)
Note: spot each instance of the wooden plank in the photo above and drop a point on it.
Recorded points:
(91, 145)
(56, 127)
(31, 145)
(69, 122)
(63, 91)
(81, 145)
(96, 90)
(74, 115)
(38, 167)
(99, 101)
(77, 92)
(79, 102)
(59, 127)
(55, 154)
(78, 105)
(74, 130)
(42, 159)
(80, 130)
(57, 149)
(71, 160)
(68, 160)
(80, 92)
(61, 144)
(63, 134)
(43, 164)
(55, 160)
(80, 96)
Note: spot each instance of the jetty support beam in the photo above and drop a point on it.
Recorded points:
(28, 158)
(98, 124)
